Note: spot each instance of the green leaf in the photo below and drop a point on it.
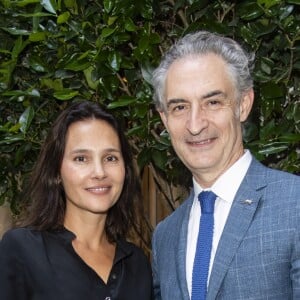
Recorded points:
(49, 6)
(18, 47)
(37, 64)
(154, 38)
(250, 132)
(22, 3)
(147, 70)
(268, 3)
(18, 93)
(135, 131)
(35, 15)
(129, 25)
(271, 90)
(37, 36)
(108, 5)
(72, 5)
(21, 153)
(15, 128)
(65, 94)
(111, 20)
(115, 60)
(268, 130)
(143, 44)
(77, 65)
(267, 65)
(15, 31)
(8, 140)
(26, 119)
(88, 73)
(290, 137)
(273, 148)
(248, 35)
(160, 159)
(144, 157)
(249, 10)
(123, 101)
(297, 2)
(63, 18)
(55, 84)
(107, 32)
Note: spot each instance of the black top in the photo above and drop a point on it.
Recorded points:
(42, 265)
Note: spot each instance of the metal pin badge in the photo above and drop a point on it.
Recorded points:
(248, 202)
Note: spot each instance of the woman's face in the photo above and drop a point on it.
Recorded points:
(92, 170)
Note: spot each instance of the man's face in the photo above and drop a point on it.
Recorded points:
(203, 117)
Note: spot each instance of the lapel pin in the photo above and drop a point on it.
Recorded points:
(248, 202)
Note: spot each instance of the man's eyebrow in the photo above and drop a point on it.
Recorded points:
(214, 93)
(205, 96)
(175, 101)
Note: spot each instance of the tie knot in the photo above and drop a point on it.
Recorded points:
(207, 202)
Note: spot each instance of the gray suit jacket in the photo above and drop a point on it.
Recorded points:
(258, 256)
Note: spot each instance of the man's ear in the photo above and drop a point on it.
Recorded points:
(246, 105)
(163, 117)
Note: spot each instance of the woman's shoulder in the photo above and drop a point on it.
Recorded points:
(21, 235)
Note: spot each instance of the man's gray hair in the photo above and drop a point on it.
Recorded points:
(239, 62)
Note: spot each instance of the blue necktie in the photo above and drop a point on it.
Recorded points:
(204, 243)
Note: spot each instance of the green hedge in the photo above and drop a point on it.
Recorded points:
(52, 52)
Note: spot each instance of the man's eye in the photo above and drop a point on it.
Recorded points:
(179, 107)
(214, 102)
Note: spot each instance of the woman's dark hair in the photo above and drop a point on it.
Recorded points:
(46, 193)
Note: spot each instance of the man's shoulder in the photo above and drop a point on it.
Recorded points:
(277, 182)
(176, 218)
(258, 170)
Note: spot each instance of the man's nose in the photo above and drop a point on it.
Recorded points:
(197, 120)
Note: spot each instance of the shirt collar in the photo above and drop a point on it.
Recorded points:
(229, 182)
(123, 248)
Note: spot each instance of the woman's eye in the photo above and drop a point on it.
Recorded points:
(112, 158)
(80, 158)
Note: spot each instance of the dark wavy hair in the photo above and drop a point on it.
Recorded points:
(46, 194)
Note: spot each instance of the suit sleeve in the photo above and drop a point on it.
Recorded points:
(295, 263)
(12, 283)
(156, 281)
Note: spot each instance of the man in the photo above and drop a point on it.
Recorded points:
(204, 92)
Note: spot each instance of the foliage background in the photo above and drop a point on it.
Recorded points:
(56, 51)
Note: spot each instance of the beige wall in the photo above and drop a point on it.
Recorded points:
(6, 219)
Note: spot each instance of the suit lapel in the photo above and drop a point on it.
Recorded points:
(238, 222)
(181, 248)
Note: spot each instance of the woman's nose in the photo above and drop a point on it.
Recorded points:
(98, 170)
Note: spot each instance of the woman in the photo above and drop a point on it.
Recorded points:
(84, 195)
